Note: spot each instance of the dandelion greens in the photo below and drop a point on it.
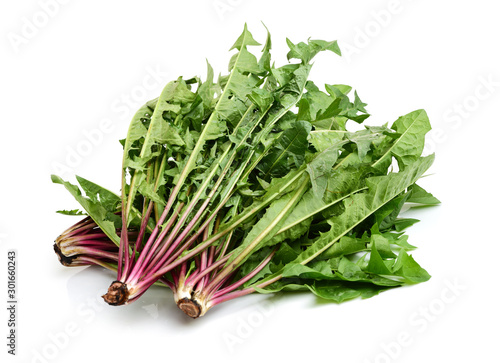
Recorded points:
(255, 182)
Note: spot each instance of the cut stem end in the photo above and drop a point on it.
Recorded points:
(190, 307)
(64, 260)
(117, 294)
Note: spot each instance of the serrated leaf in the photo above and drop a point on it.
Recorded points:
(410, 143)
(245, 39)
(406, 267)
(73, 212)
(420, 196)
(359, 206)
(101, 216)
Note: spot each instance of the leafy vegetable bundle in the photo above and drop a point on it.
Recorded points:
(253, 183)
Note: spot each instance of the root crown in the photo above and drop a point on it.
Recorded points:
(191, 308)
(117, 294)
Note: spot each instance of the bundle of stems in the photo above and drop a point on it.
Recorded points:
(85, 244)
(253, 183)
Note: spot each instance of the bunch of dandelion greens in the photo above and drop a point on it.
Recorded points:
(253, 183)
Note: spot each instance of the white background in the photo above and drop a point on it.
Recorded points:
(67, 72)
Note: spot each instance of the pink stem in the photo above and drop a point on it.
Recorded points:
(195, 277)
(80, 226)
(142, 230)
(211, 258)
(85, 236)
(240, 293)
(218, 285)
(147, 252)
(203, 264)
(163, 256)
(99, 253)
(225, 245)
(192, 276)
(156, 266)
(244, 279)
(123, 241)
(175, 277)
(168, 283)
(93, 242)
(93, 261)
(183, 271)
(172, 262)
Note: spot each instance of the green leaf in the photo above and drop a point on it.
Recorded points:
(350, 271)
(340, 184)
(207, 89)
(73, 212)
(305, 52)
(265, 59)
(320, 271)
(364, 139)
(340, 291)
(324, 45)
(323, 139)
(247, 63)
(101, 216)
(420, 196)
(262, 98)
(162, 131)
(240, 85)
(98, 194)
(387, 215)
(382, 245)
(411, 129)
(403, 223)
(399, 239)
(376, 264)
(289, 150)
(359, 206)
(347, 245)
(261, 234)
(338, 90)
(245, 39)
(406, 267)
